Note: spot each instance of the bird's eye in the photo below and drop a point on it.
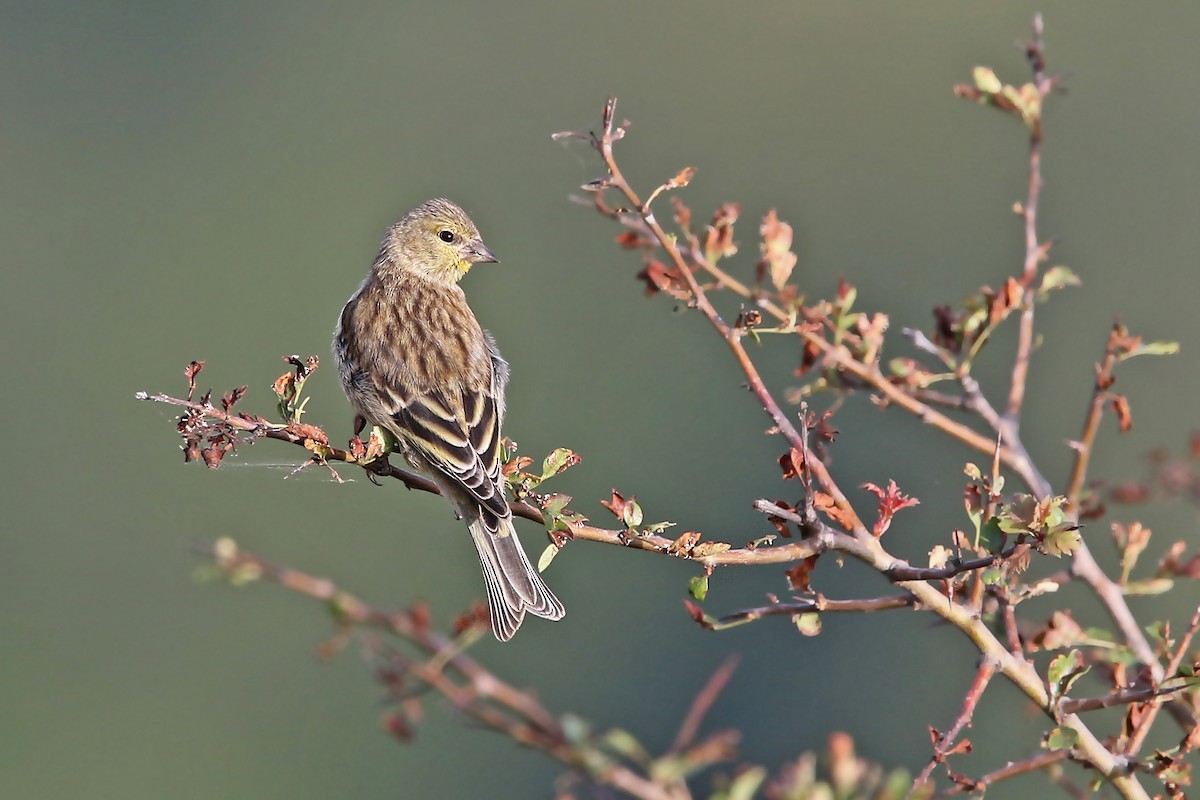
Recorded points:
(446, 236)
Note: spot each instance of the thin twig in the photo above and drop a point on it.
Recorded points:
(1147, 720)
(1013, 769)
(703, 702)
(819, 604)
(1034, 252)
(1123, 697)
(945, 745)
(470, 687)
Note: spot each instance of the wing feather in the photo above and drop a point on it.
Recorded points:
(459, 435)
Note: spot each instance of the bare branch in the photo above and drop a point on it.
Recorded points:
(944, 743)
(703, 702)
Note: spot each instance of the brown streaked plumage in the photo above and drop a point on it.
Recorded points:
(414, 360)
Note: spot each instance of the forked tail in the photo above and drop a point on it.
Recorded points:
(513, 585)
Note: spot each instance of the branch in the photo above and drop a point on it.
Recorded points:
(944, 743)
(820, 603)
(703, 702)
(1013, 769)
(1181, 650)
(470, 687)
(862, 545)
(258, 428)
(1034, 251)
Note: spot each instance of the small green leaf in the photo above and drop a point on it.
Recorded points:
(1062, 665)
(1057, 278)
(669, 769)
(554, 504)
(991, 535)
(972, 471)
(808, 623)
(575, 729)
(986, 80)
(1178, 773)
(1118, 655)
(1152, 349)
(657, 527)
(557, 461)
(547, 556)
(1148, 587)
(1061, 739)
(1158, 630)
(633, 515)
(624, 743)
(698, 587)
(992, 576)
(1064, 670)
(1062, 541)
(746, 784)
(1097, 636)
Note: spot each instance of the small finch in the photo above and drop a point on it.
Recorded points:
(414, 361)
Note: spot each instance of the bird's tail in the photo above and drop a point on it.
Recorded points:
(513, 585)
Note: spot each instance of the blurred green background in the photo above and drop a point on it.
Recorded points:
(211, 180)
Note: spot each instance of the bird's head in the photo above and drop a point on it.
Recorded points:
(438, 241)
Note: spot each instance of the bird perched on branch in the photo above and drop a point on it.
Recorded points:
(414, 361)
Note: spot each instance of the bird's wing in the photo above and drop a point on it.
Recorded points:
(458, 432)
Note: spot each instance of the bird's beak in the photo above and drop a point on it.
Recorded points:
(481, 252)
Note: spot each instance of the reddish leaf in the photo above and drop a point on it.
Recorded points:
(190, 372)
(1130, 492)
(515, 465)
(419, 613)
(285, 386)
(398, 727)
(962, 746)
(1060, 631)
(631, 240)
(308, 433)
(1120, 405)
(792, 463)
(684, 544)
(821, 430)
(781, 525)
(829, 507)
(212, 455)
(231, 397)
(658, 277)
(808, 357)
(1172, 563)
(799, 575)
(718, 240)
(475, 617)
(682, 179)
(683, 214)
(617, 504)
(891, 500)
(778, 260)
(944, 329)
(698, 615)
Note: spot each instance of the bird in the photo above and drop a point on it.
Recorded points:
(413, 360)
